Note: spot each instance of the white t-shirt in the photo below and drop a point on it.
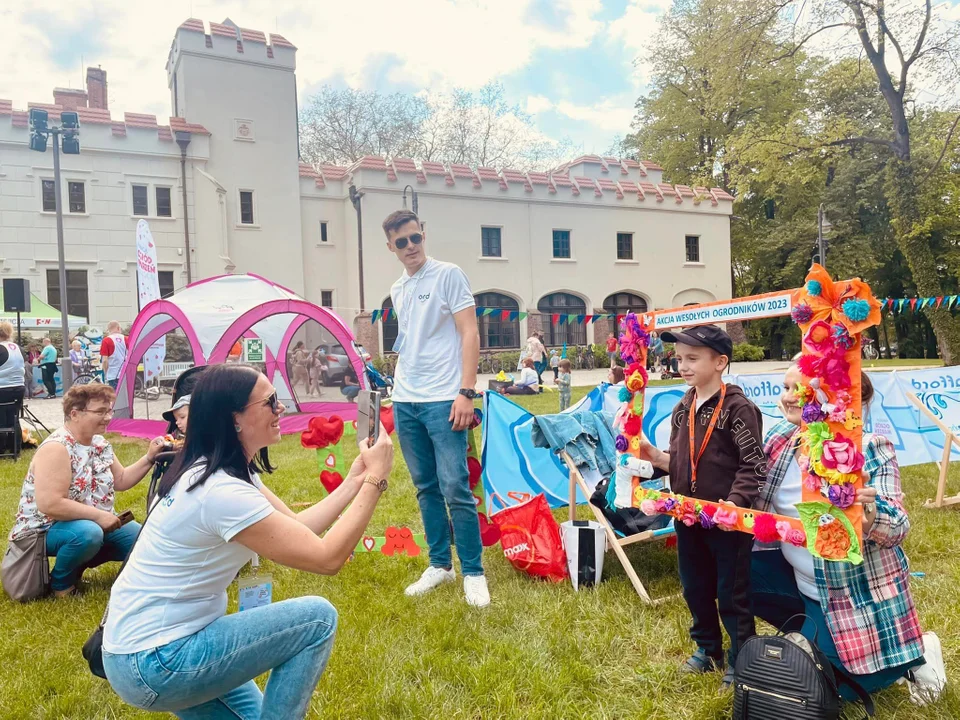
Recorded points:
(430, 368)
(175, 583)
(785, 501)
(117, 357)
(528, 378)
(11, 372)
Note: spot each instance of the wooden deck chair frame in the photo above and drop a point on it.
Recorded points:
(949, 440)
(615, 543)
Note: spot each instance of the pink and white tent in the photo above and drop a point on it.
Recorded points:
(216, 313)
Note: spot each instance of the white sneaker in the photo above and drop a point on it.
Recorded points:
(475, 590)
(928, 681)
(432, 578)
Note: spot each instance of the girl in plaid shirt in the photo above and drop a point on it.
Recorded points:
(863, 616)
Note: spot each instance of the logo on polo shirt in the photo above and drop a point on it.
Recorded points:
(423, 298)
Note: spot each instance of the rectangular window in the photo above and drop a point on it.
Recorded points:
(561, 243)
(78, 200)
(140, 206)
(693, 248)
(246, 207)
(165, 277)
(77, 302)
(323, 231)
(490, 241)
(624, 246)
(48, 191)
(164, 208)
(326, 298)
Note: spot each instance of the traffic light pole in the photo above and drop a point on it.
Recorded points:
(66, 367)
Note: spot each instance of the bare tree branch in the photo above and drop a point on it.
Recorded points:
(943, 152)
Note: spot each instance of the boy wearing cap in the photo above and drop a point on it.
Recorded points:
(715, 454)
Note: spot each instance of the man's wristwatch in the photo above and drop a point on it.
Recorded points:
(379, 484)
(468, 393)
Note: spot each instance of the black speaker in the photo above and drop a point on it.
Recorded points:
(16, 295)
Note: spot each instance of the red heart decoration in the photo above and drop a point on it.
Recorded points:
(386, 419)
(322, 431)
(489, 532)
(369, 543)
(330, 480)
(475, 470)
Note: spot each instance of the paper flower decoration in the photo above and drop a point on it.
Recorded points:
(812, 413)
(706, 517)
(819, 338)
(801, 314)
(632, 426)
(765, 528)
(815, 436)
(829, 301)
(842, 495)
(621, 443)
(727, 518)
(688, 513)
(637, 381)
(624, 395)
(841, 454)
(648, 507)
(841, 337)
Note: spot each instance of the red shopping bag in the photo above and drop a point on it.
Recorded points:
(530, 537)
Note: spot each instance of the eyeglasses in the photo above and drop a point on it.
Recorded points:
(401, 243)
(101, 413)
(273, 402)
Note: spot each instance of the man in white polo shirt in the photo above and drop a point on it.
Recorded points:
(438, 346)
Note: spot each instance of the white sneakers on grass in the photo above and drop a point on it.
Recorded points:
(927, 682)
(474, 586)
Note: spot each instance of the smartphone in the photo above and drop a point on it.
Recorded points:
(368, 415)
(125, 517)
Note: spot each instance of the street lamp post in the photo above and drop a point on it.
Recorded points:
(69, 131)
(413, 194)
(823, 228)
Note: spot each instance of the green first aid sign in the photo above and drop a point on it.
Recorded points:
(253, 350)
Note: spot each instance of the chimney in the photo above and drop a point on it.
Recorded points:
(97, 88)
(69, 98)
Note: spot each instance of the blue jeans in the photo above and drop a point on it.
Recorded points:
(209, 675)
(437, 459)
(350, 392)
(81, 544)
(776, 599)
(113, 383)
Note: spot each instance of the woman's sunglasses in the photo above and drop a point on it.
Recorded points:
(273, 401)
(401, 243)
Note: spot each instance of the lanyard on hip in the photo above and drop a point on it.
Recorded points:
(695, 457)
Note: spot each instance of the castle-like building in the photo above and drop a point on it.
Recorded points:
(221, 183)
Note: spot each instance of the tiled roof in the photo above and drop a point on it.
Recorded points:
(224, 30)
(253, 36)
(178, 124)
(192, 24)
(163, 132)
(94, 116)
(138, 120)
(20, 119)
(369, 162)
(585, 182)
(404, 165)
(281, 41)
(333, 172)
(6, 107)
(517, 178)
(307, 170)
(610, 186)
(49, 107)
(650, 165)
(433, 168)
(119, 130)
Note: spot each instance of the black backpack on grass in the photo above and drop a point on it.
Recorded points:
(782, 678)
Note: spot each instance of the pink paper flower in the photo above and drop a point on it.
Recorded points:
(765, 528)
(648, 507)
(796, 537)
(841, 455)
(727, 518)
(819, 338)
(835, 372)
(812, 482)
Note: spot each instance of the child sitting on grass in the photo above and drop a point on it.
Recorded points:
(563, 382)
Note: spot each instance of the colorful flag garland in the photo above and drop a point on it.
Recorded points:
(509, 315)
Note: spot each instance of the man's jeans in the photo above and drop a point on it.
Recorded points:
(81, 544)
(209, 675)
(437, 459)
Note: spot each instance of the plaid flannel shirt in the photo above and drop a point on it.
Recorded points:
(868, 608)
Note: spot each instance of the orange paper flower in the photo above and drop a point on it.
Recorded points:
(826, 299)
(832, 542)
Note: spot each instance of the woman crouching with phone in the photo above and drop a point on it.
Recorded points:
(168, 645)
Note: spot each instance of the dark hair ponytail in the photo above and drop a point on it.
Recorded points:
(212, 439)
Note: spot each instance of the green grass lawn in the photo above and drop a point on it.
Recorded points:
(883, 363)
(539, 651)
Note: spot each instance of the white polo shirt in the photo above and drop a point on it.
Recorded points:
(430, 368)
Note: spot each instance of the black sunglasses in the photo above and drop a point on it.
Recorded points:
(401, 243)
(273, 401)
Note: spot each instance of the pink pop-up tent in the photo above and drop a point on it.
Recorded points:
(217, 312)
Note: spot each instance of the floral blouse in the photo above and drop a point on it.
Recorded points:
(92, 481)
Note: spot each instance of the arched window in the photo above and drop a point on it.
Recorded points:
(563, 304)
(623, 303)
(390, 327)
(495, 332)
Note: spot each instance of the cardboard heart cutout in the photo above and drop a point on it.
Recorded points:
(331, 461)
(322, 431)
(330, 480)
(475, 470)
(369, 543)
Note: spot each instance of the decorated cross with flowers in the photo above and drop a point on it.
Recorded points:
(831, 316)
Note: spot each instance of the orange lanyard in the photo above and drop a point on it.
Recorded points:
(695, 458)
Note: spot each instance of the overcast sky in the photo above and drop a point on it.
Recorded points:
(577, 66)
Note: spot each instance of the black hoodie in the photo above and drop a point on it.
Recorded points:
(733, 466)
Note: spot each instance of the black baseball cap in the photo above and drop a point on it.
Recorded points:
(704, 336)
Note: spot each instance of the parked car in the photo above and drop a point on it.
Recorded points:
(337, 362)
